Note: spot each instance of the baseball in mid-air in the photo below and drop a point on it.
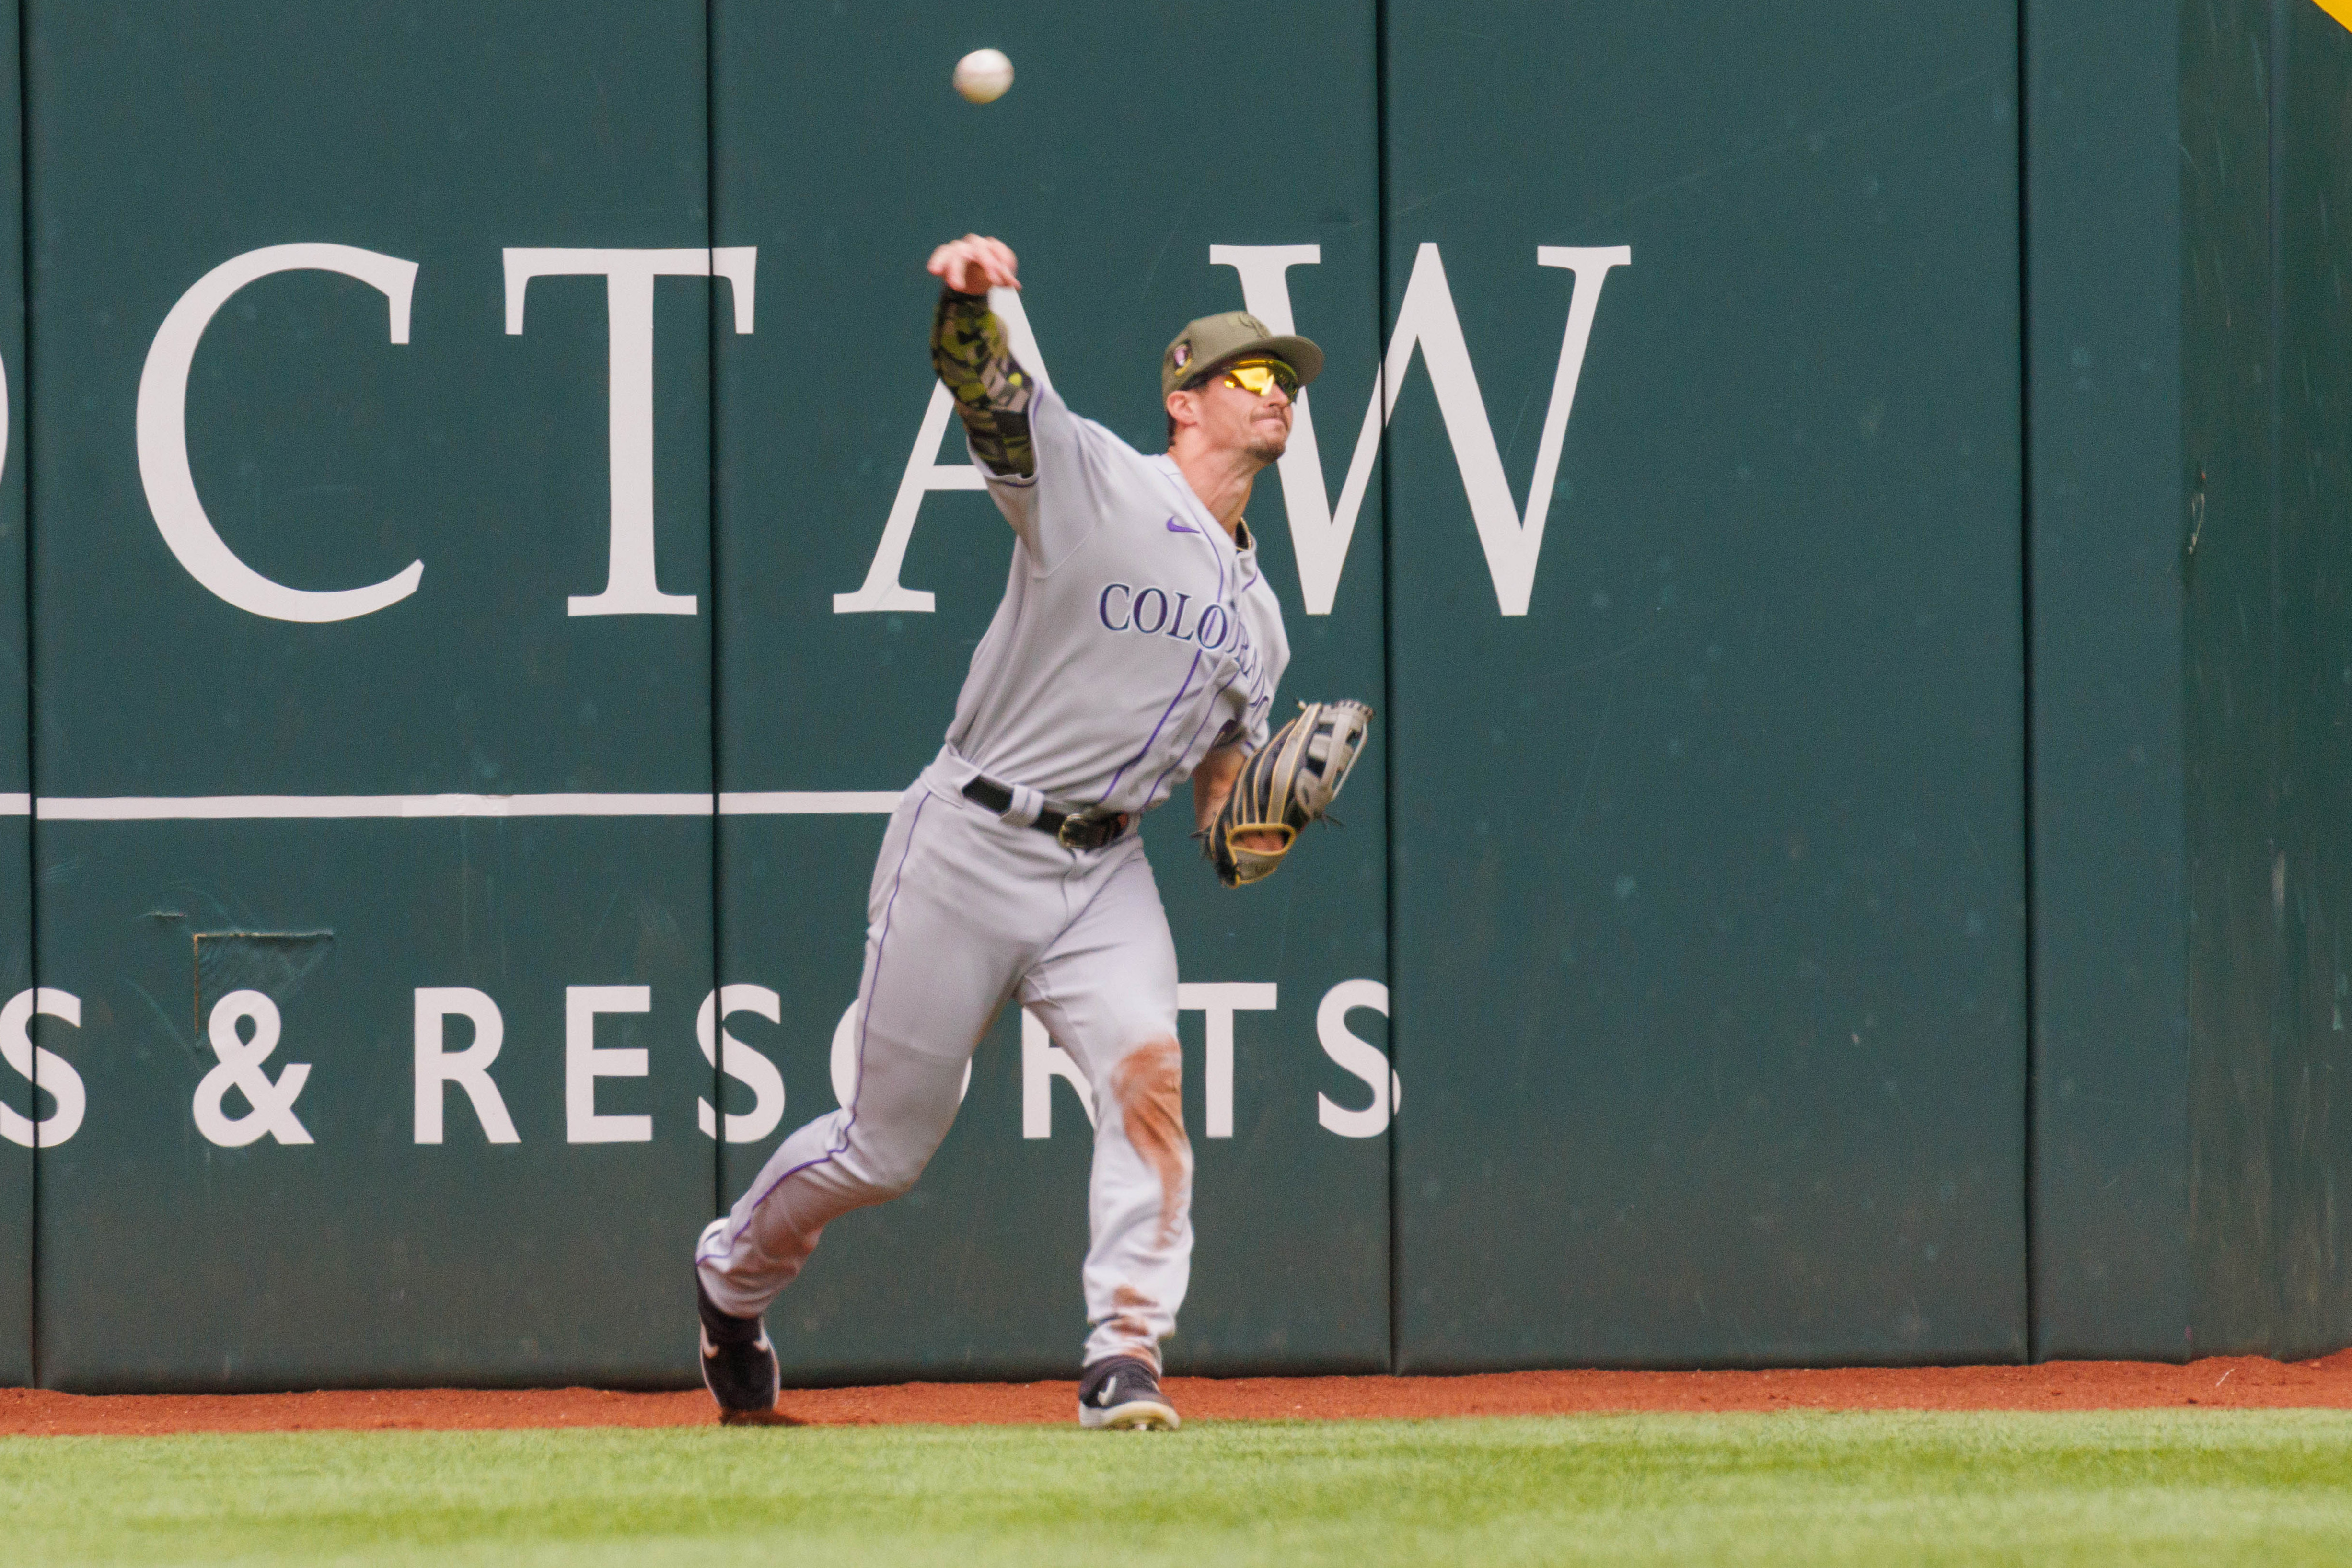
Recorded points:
(983, 75)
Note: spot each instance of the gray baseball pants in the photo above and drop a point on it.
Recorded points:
(966, 912)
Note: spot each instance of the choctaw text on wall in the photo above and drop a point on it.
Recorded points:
(1321, 530)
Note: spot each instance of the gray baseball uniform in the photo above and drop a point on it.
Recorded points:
(1134, 636)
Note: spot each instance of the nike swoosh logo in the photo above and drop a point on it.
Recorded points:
(1176, 527)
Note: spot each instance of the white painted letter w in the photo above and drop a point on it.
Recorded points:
(1319, 533)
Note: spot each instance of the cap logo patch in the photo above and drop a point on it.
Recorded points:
(1182, 355)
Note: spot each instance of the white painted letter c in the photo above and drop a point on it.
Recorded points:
(163, 432)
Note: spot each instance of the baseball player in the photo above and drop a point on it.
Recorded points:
(1136, 644)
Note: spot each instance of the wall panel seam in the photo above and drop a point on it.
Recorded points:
(24, 445)
(2032, 1042)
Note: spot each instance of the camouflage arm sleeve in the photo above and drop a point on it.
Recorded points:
(992, 391)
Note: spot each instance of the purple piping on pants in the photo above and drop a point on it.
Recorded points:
(880, 943)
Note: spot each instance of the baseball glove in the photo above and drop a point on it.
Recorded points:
(1286, 784)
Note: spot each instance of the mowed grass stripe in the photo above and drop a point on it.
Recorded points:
(2268, 1487)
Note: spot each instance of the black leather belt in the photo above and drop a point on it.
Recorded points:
(1071, 832)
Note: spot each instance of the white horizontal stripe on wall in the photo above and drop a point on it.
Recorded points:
(314, 807)
(806, 803)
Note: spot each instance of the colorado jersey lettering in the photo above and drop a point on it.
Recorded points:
(1133, 637)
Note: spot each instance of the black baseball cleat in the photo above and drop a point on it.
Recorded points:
(739, 1365)
(1121, 1393)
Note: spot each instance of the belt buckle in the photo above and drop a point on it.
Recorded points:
(1074, 833)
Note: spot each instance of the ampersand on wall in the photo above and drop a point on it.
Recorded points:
(271, 1100)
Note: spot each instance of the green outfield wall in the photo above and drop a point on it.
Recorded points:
(2107, 499)
(2267, 392)
(1842, 513)
(435, 431)
(1709, 864)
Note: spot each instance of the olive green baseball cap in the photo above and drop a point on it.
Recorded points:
(1212, 341)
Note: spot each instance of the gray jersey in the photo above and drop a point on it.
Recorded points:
(1134, 635)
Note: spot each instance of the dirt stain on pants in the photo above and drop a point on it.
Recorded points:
(1131, 1302)
(1148, 1085)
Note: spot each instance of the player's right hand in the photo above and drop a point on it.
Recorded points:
(974, 265)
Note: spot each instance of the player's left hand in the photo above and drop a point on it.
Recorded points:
(1286, 784)
(976, 264)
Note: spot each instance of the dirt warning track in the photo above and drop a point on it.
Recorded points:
(2245, 1383)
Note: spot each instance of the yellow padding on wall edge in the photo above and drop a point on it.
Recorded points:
(2340, 9)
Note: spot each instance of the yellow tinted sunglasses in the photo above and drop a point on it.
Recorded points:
(1254, 376)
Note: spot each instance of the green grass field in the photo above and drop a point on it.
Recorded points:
(2274, 1487)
